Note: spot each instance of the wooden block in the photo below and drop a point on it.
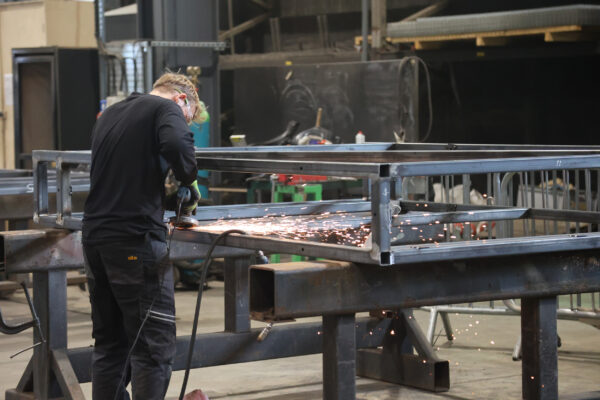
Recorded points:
(426, 45)
(570, 36)
(490, 41)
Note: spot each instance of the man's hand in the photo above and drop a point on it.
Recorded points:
(189, 196)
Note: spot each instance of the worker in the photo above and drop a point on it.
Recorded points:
(134, 143)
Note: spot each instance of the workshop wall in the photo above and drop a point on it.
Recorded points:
(36, 24)
(541, 100)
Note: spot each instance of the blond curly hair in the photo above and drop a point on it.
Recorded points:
(171, 81)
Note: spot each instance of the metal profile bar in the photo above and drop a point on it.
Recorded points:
(263, 209)
(63, 191)
(71, 157)
(289, 167)
(285, 246)
(40, 188)
(427, 11)
(67, 380)
(244, 26)
(493, 248)
(40, 250)
(494, 165)
(217, 46)
(378, 156)
(220, 348)
(276, 289)
(381, 220)
(494, 214)
(391, 146)
(46, 249)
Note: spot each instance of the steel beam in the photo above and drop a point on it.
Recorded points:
(396, 362)
(50, 302)
(40, 250)
(493, 214)
(237, 315)
(227, 164)
(221, 348)
(303, 289)
(539, 347)
(339, 357)
(428, 252)
(237, 211)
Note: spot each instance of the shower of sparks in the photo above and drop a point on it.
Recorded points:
(342, 229)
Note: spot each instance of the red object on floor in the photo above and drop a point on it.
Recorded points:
(196, 395)
(299, 179)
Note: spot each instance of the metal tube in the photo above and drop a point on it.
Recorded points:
(466, 179)
(545, 201)
(532, 179)
(588, 193)
(577, 190)
(554, 198)
(567, 197)
(523, 191)
(364, 55)
(230, 22)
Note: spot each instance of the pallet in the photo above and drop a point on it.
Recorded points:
(566, 33)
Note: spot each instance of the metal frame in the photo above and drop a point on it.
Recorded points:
(386, 170)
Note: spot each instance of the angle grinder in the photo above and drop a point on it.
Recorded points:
(181, 219)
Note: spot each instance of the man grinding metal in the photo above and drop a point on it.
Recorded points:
(134, 143)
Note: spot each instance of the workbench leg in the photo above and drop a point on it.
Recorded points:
(50, 302)
(396, 362)
(539, 348)
(339, 357)
(237, 303)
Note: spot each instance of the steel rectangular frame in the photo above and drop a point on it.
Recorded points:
(386, 180)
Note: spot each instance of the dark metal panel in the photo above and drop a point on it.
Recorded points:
(374, 97)
(222, 348)
(339, 287)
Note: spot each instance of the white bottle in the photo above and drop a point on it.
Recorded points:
(359, 138)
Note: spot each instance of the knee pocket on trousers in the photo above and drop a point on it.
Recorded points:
(159, 332)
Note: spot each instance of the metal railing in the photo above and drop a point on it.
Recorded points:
(569, 196)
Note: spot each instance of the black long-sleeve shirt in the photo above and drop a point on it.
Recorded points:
(131, 142)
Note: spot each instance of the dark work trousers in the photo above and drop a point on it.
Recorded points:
(125, 278)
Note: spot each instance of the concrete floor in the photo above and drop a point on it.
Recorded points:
(481, 366)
